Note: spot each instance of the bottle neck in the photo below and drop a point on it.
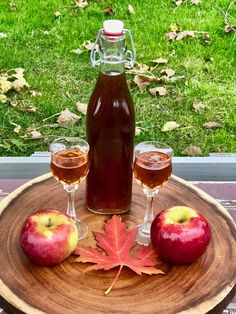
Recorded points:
(113, 54)
(112, 69)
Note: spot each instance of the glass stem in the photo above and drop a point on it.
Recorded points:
(71, 202)
(148, 219)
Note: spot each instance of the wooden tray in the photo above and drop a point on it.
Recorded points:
(204, 286)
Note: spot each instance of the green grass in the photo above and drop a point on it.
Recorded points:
(64, 78)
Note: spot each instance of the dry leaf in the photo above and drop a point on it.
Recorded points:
(139, 68)
(198, 106)
(179, 35)
(13, 5)
(78, 51)
(57, 14)
(174, 27)
(172, 79)
(5, 86)
(82, 107)
(169, 126)
(34, 92)
(81, 4)
(196, 2)
(178, 2)
(17, 127)
(131, 9)
(19, 85)
(14, 102)
(192, 150)
(19, 73)
(138, 130)
(30, 109)
(67, 117)
(170, 36)
(168, 72)
(185, 34)
(212, 125)
(161, 91)
(160, 61)
(143, 80)
(35, 134)
(88, 45)
(142, 68)
(229, 28)
(3, 98)
(108, 11)
(3, 35)
(46, 33)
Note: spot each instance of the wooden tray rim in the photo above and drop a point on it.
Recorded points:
(13, 299)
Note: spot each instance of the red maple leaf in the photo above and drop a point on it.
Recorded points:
(117, 242)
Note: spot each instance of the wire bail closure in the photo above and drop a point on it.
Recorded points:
(95, 55)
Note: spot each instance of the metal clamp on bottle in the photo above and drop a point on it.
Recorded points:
(115, 34)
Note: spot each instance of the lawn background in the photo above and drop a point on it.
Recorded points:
(65, 78)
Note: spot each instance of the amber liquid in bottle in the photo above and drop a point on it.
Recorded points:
(110, 134)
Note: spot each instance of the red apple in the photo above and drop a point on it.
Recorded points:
(180, 235)
(48, 236)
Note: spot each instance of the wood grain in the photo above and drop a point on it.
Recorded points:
(198, 288)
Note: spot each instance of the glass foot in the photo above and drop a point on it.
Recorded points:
(143, 236)
(82, 229)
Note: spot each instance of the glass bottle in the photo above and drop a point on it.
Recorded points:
(111, 124)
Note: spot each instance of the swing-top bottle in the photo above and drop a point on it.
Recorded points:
(111, 123)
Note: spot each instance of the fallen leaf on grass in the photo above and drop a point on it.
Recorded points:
(192, 150)
(20, 83)
(170, 126)
(3, 35)
(17, 127)
(131, 9)
(46, 33)
(67, 117)
(3, 98)
(13, 6)
(168, 72)
(178, 2)
(198, 106)
(138, 130)
(139, 68)
(161, 91)
(34, 92)
(5, 86)
(82, 107)
(108, 11)
(196, 2)
(174, 27)
(34, 134)
(78, 51)
(117, 242)
(30, 109)
(212, 125)
(81, 4)
(88, 45)
(229, 28)
(179, 35)
(143, 80)
(57, 14)
(160, 61)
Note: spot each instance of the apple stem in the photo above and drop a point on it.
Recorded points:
(49, 222)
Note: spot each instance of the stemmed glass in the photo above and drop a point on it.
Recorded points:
(152, 169)
(69, 165)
